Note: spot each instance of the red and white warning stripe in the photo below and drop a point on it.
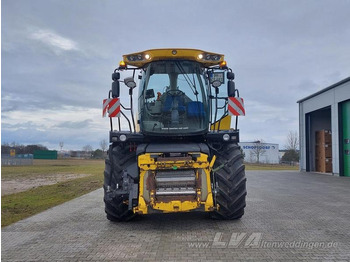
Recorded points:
(112, 106)
(105, 107)
(236, 106)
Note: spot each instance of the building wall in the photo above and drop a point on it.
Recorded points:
(269, 156)
(332, 98)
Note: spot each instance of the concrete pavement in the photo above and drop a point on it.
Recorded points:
(290, 216)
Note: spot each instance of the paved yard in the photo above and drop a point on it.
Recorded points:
(290, 216)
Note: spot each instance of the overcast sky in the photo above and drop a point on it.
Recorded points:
(58, 56)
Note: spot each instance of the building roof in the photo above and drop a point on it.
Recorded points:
(325, 89)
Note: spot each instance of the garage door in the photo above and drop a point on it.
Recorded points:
(346, 137)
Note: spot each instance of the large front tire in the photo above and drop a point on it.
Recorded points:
(230, 182)
(119, 159)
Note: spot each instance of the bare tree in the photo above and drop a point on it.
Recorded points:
(292, 145)
(61, 144)
(87, 148)
(103, 145)
(258, 150)
(292, 142)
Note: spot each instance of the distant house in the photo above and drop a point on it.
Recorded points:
(80, 154)
(266, 152)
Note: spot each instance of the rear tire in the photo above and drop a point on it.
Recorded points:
(116, 208)
(230, 183)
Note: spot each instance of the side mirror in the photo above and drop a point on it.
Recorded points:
(115, 89)
(129, 82)
(231, 89)
(116, 76)
(230, 75)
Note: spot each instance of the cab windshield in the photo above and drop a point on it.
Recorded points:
(173, 98)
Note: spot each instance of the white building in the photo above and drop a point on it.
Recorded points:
(266, 152)
(328, 109)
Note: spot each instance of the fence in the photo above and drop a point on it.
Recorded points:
(19, 160)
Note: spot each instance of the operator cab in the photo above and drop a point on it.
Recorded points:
(173, 98)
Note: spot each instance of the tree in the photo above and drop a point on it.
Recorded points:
(290, 156)
(292, 145)
(103, 145)
(87, 148)
(258, 150)
(98, 153)
(21, 149)
(292, 142)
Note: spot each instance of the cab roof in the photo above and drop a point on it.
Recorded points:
(140, 59)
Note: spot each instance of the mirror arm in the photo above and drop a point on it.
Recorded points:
(131, 109)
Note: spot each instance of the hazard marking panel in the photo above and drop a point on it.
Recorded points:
(112, 106)
(105, 107)
(236, 106)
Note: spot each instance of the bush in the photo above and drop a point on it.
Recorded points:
(291, 156)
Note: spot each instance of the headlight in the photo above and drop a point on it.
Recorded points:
(211, 57)
(200, 56)
(122, 138)
(226, 137)
(135, 57)
(147, 56)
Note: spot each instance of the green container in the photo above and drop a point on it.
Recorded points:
(346, 137)
(45, 154)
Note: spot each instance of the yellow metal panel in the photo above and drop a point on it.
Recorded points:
(225, 124)
(176, 206)
(147, 163)
(169, 54)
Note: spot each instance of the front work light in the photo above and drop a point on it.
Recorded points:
(226, 137)
(122, 138)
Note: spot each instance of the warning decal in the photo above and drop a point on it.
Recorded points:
(236, 106)
(112, 106)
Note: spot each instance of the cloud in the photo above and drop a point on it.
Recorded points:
(54, 40)
(74, 124)
(56, 71)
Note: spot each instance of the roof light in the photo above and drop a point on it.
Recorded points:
(200, 56)
(122, 65)
(147, 56)
(223, 64)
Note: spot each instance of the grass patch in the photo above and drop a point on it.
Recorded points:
(21, 205)
(249, 166)
(18, 206)
(60, 166)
